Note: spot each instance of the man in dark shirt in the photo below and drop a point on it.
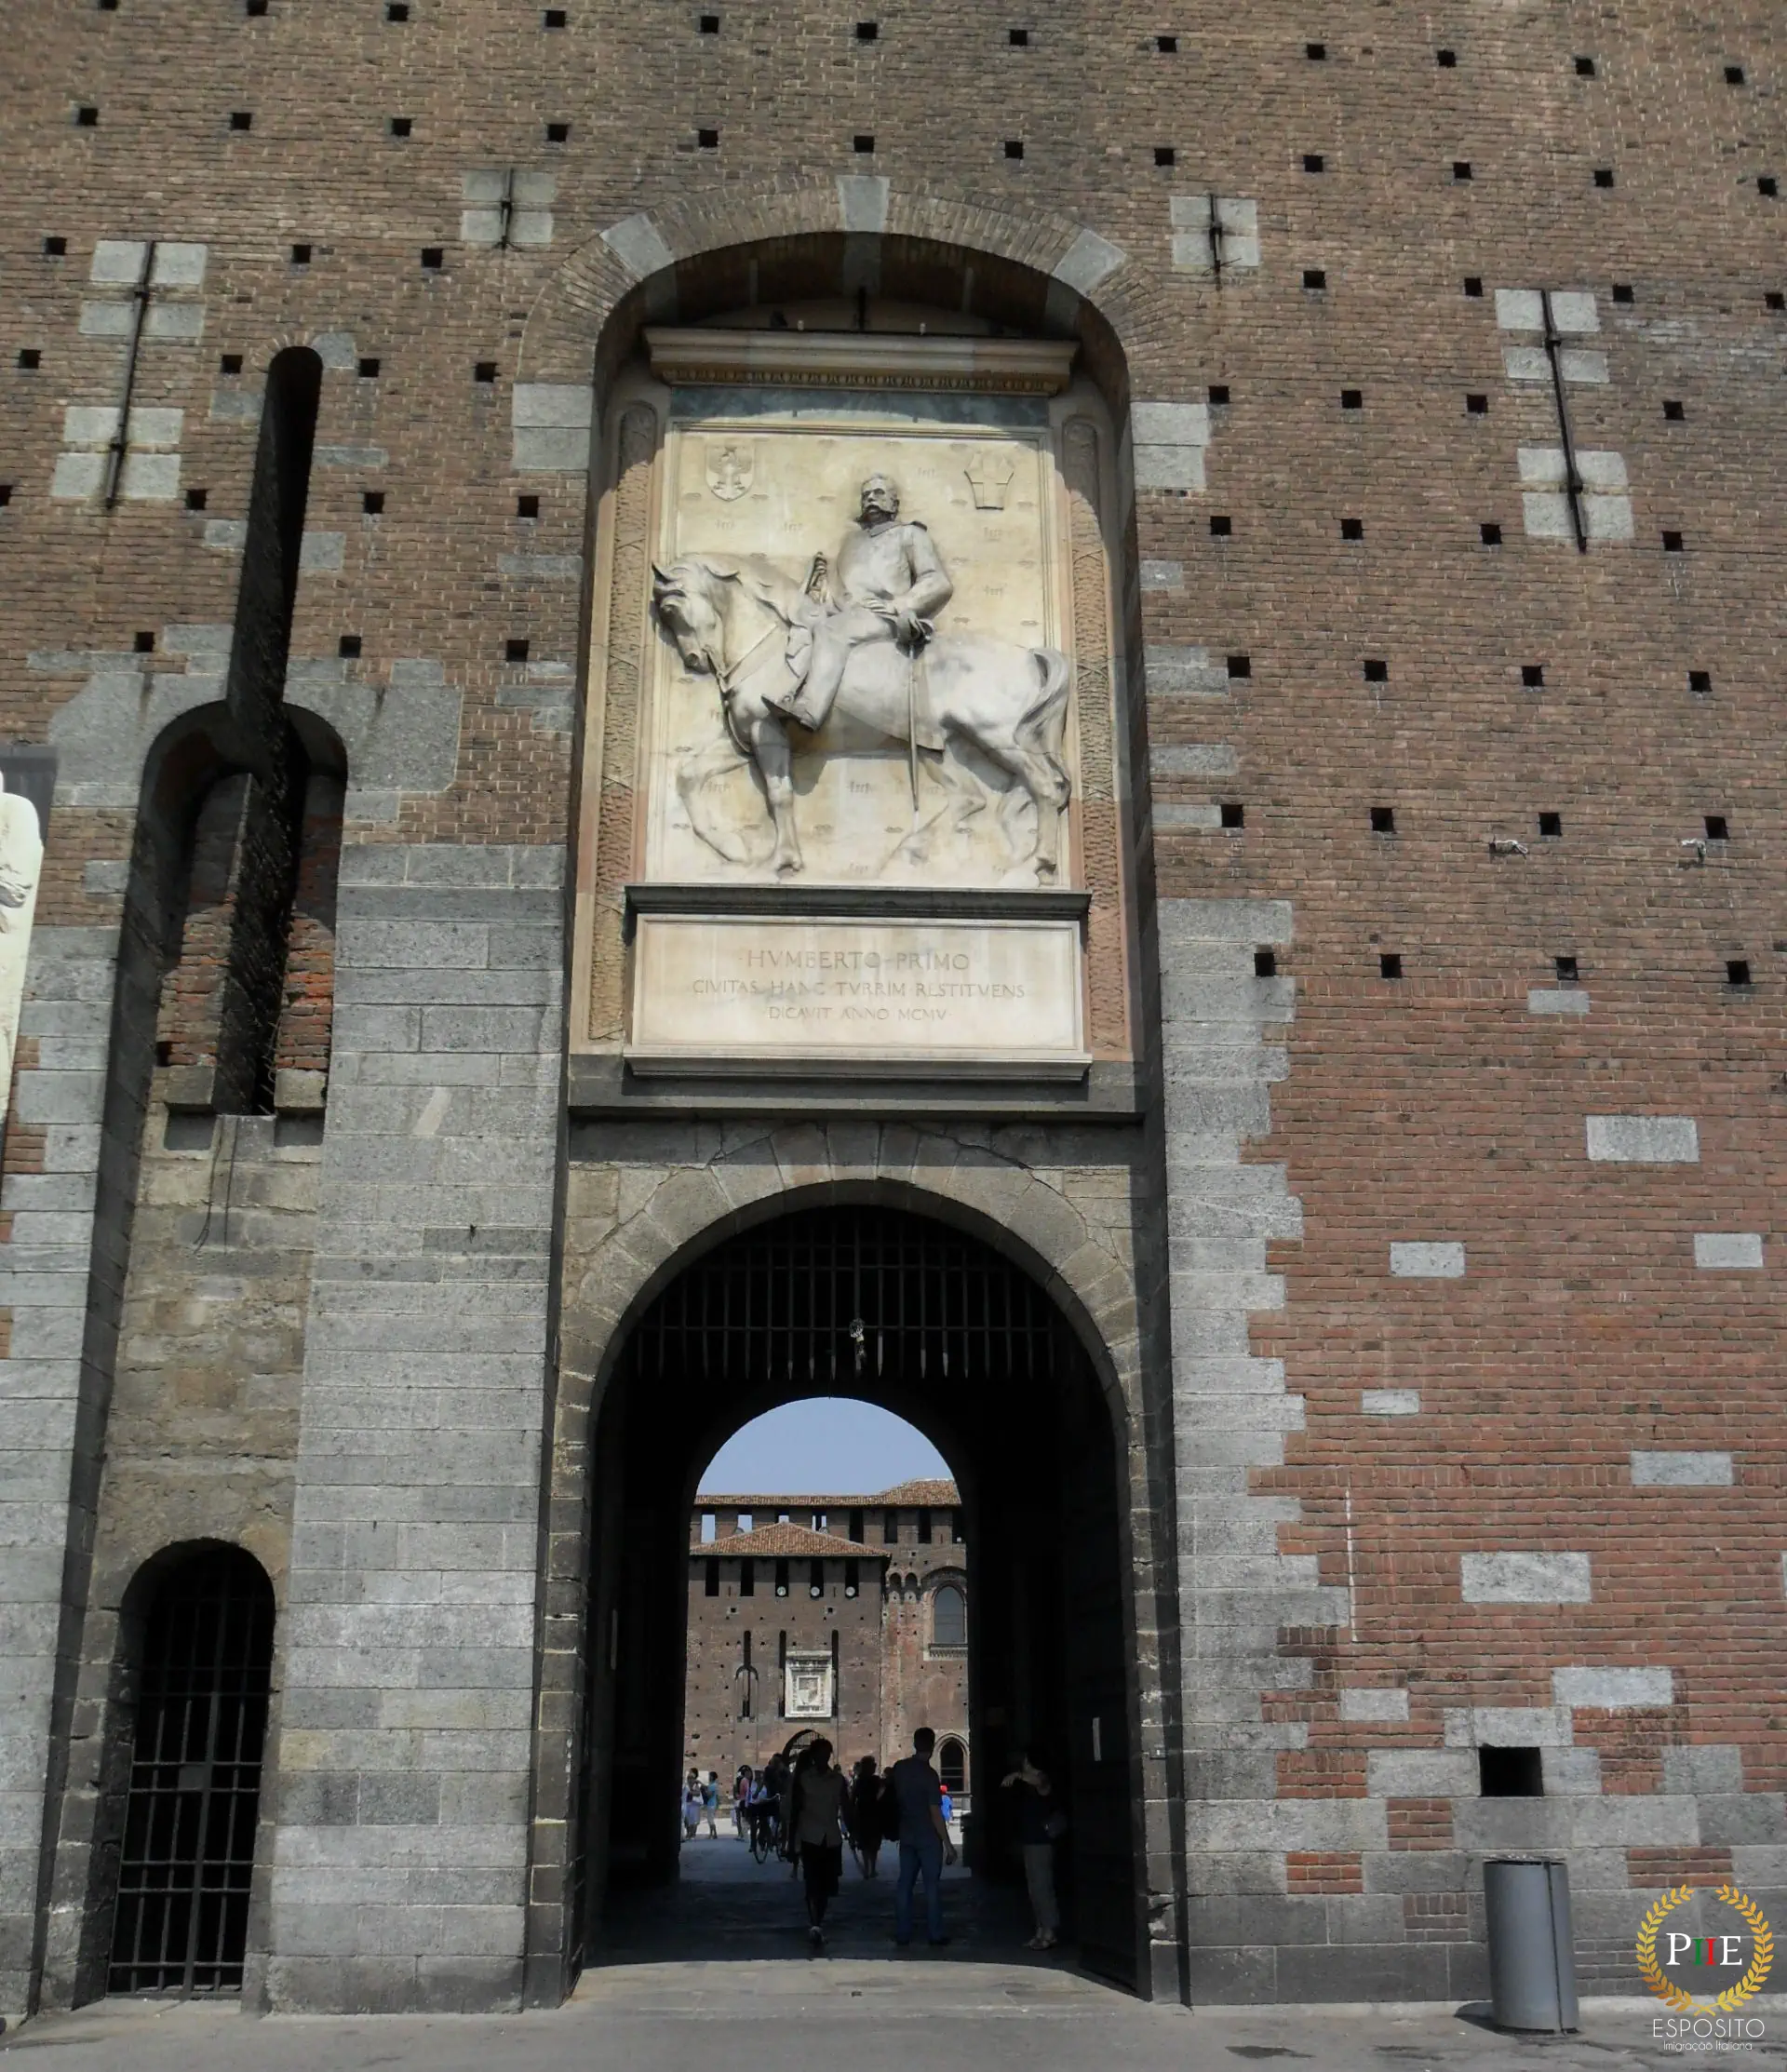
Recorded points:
(924, 1840)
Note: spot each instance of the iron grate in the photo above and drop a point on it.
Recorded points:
(833, 1295)
(188, 1851)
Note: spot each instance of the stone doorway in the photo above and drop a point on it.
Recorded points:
(187, 1856)
(890, 1306)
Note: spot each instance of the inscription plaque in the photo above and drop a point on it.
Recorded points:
(718, 994)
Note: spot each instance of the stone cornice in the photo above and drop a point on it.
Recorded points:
(861, 359)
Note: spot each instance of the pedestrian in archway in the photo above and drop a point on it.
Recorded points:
(867, 1820)
(741, 1788)
(710, 1804)
(1041, 1824)
(816, 1831)
(925, 1846)
(691, 1805)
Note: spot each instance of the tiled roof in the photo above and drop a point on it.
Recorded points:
(776, 1542)
(938, 1491)
(934, 1494)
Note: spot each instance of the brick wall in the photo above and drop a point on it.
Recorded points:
(1393, 1443)
(891, 1679)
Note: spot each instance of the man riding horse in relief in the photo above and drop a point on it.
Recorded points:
(887, 584)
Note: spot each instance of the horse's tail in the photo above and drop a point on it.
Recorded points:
(1042, 726)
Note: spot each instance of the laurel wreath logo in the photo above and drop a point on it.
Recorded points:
(1673, 1995)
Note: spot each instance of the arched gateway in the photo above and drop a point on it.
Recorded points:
(863, 1299)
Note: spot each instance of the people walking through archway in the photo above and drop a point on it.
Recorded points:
(867, 1816)
(925, 1846)
(815, 1828)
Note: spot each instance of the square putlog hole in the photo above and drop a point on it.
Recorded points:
(1511, 1773)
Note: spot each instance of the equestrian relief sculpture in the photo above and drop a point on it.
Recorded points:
(859, 641)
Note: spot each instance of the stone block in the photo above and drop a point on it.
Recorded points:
(175, 323)
(1191, 759)
(1627, 1820)
(1389, 1402)
(1184, 672)
(1613, 1690)
(322, 553)
(1305, 1823)
(862, 203)
(112, 319)
(1734, 1818)
(1607, 518)
(1385, 1971)
(149, 478)
(1373, 1706)
(1706, 1767)
(1089, 261)
(300, 1093)
(1526, 1579)
(1681, 1471)
(541, 568)
(401, 1800)
(1558, 999)
(118, 262)
(1728, 1251)
(1420, 1773)
(1162, 576)
(638, 243)
(77, 476)
(1427, 1260)
(1173, 816)
(1582, 367)
(1499, 1825)
(1520, 309)
(356, 457)
(1568, 1773)
(1226, 1976)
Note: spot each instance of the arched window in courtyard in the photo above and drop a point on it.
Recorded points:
(949, 1618)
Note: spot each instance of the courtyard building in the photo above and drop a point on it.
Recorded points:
(846, 1615)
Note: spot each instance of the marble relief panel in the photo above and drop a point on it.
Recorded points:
(859, 670)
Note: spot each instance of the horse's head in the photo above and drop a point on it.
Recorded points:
(686, 602)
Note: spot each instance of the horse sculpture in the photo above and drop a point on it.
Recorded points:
(744, 624)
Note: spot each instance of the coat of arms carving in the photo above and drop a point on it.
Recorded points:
(732, 465)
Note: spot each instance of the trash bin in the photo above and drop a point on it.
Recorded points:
(1532, 1953)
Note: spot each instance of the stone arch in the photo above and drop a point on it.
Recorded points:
(644, 267)
(1035, 1225)
(658, 1224)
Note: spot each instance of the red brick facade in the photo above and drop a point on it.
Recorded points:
(863, 1599)
(1421, 1237)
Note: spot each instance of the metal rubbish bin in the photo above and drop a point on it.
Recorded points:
(1532, 1953)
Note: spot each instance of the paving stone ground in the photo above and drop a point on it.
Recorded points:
(714, 1973)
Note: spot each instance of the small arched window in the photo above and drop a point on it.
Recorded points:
(952, 1766)
(949, 1618)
